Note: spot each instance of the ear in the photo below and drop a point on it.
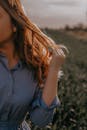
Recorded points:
(14, 29)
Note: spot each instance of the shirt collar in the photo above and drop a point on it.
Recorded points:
(4, 60)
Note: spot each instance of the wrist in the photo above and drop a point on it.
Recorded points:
(54, 68)
(55, 65)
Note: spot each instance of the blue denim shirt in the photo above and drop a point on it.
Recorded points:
(19, 95)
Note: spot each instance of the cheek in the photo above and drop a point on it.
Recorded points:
(5, 28)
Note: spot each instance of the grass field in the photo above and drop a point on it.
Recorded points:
(72, 88)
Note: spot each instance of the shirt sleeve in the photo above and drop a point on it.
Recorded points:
(41, 114)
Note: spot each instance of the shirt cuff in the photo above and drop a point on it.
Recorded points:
(55, 103)
(41, 103)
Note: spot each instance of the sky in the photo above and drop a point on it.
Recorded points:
(56, 13)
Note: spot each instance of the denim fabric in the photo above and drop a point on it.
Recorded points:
(17, 97)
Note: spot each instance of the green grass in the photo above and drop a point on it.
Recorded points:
(72, 88)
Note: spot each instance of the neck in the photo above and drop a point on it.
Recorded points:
(8, 50)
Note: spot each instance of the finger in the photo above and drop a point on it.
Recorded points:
(59, 51)
(61, 46)
(62, 52)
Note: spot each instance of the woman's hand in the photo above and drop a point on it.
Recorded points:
(50, 89)
(58, 58)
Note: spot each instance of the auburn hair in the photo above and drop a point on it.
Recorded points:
(30, 42)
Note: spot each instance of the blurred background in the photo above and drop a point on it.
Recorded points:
(65, 21)
(56, 13)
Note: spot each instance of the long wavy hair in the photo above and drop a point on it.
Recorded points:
(30, 42)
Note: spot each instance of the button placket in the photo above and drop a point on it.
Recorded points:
(10, 75)
(11, 82)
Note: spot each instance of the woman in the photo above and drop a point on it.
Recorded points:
(30, 65)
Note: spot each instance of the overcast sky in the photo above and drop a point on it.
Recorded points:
(56, 13)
